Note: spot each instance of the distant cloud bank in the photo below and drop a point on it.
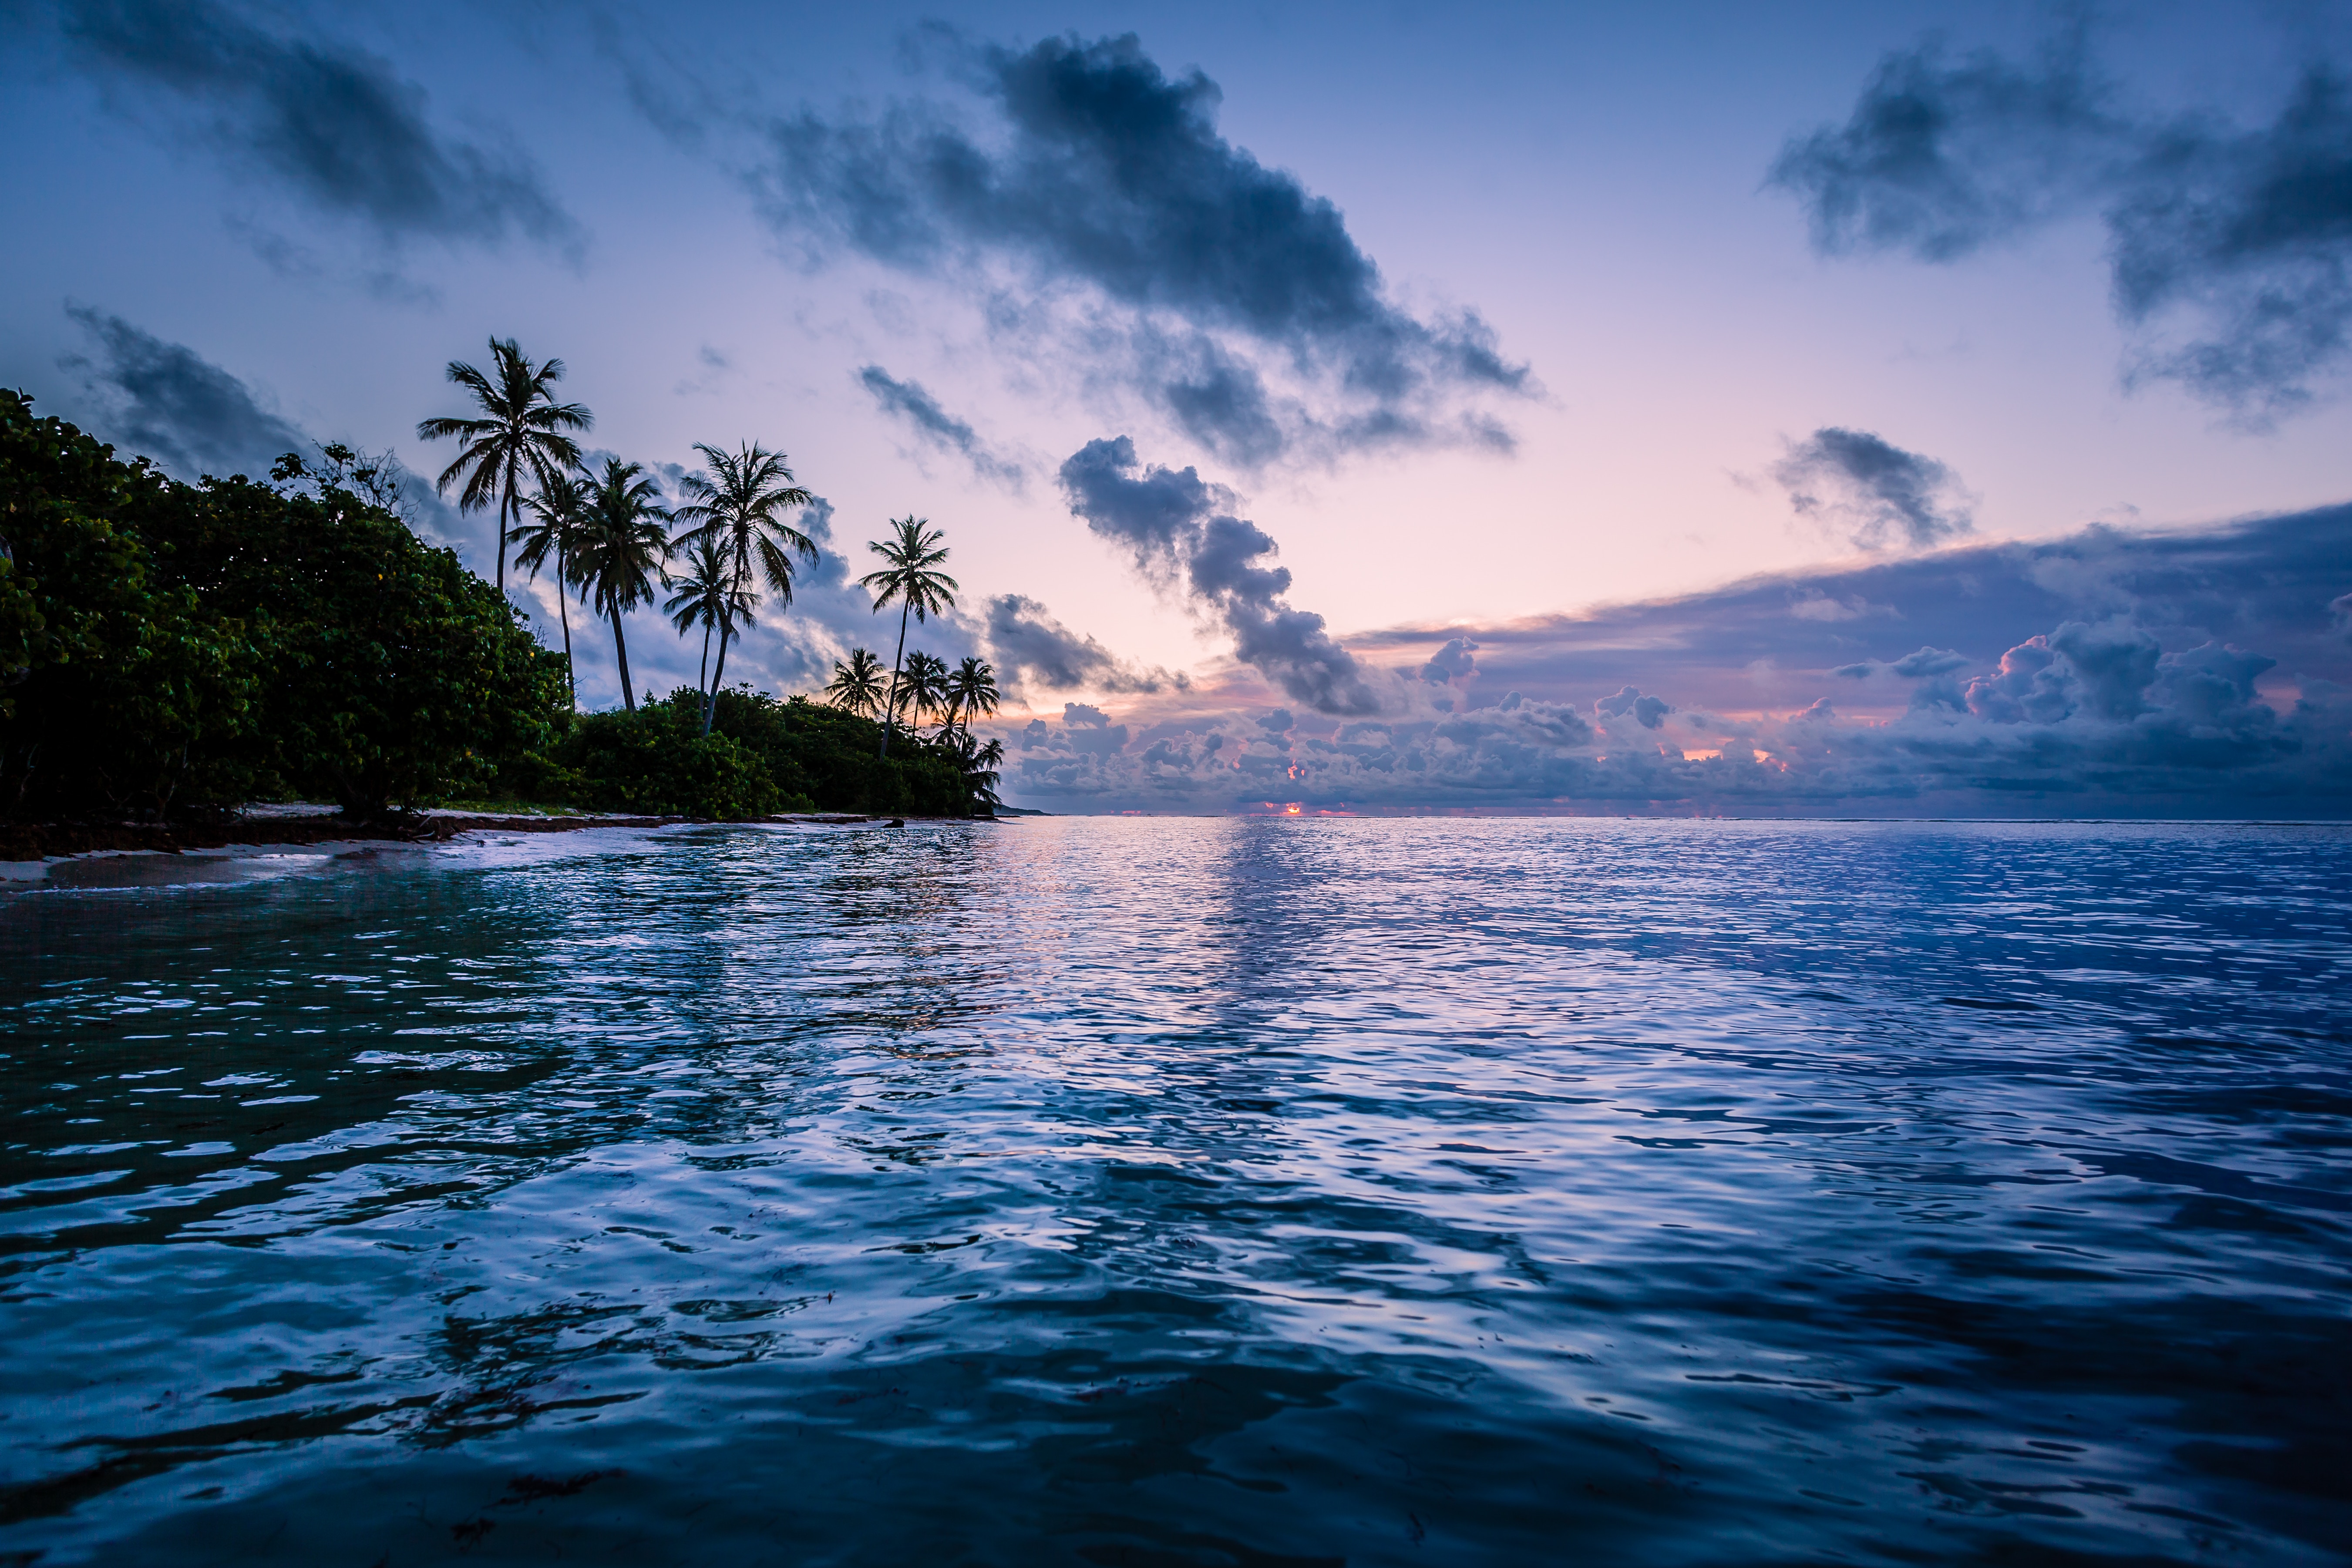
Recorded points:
(2201, 673)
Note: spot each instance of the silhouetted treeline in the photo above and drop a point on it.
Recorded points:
(169, 649)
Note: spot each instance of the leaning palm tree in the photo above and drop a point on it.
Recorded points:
(971, 691)
(709, 594)
(555, 511)
(739, 505)
(923, 688)
(519, 436)
(857, 687)
(910, 574)
(622, 543)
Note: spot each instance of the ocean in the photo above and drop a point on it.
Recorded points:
(1187, 1192)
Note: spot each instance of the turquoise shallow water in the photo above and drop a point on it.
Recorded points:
(1218, 1192)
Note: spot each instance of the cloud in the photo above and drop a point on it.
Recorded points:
(1649, 712)
(911, 401)
(1031, 648)
(1183, 536)
(1870, 490)
(2105, 673)
(1812, 604)
(329, 124)
(2249, 236)
(165, 401)
(2231, 249)
(1942, 159)
(1455, 661)
(1204, 272)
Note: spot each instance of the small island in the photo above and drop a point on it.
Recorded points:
(170, 653)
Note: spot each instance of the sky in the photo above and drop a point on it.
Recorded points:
(1888, 409)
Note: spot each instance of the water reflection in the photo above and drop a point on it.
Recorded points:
(1215, 1192)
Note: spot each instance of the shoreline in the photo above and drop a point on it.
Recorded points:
(27, 849)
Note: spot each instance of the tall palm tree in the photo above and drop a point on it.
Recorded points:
(519, 434)
(555, 511)
(739, 505)
(709, 594)
(971, 691)
(923, 688)
(910, 574)
(857, 687)
(624, 541)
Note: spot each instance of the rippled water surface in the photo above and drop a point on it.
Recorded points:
(1219, 1192)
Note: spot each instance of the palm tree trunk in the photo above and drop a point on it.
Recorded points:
(563, 614)
(702, 676)
(621, 648)
(890, 705)
(711, 702)
(504, 503)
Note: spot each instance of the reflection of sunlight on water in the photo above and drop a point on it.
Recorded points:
(1319, 1189)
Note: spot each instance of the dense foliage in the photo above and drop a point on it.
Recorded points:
(169, 649)
(175, 647)
(761, 756)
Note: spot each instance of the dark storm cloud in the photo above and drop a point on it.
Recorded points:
(167, 402)
(1182, 535)
(2230, 249)
(1031, 648)
(910, 401)
(1101, 170)
(1943, 158)
(2250, 232)
(1873, 490)
(331, 124)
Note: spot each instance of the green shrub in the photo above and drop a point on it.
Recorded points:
(656, 761)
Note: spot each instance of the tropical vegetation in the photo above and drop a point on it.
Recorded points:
(518, 434)
(910, 574)
(169, 651)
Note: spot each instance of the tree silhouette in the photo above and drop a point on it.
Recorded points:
(911, 575)
(739, 504)
(624, 540)
(857, 687)
(518, 435)
(971, 691)
(556, 513)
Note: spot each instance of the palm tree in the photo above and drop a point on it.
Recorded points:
(623, 542)
(557, 510)
(739, 506)
(911, 575)
(709, 596)
(856, 686)
(520, 433)
(971, 691)
(924, 687)
(979, 765)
